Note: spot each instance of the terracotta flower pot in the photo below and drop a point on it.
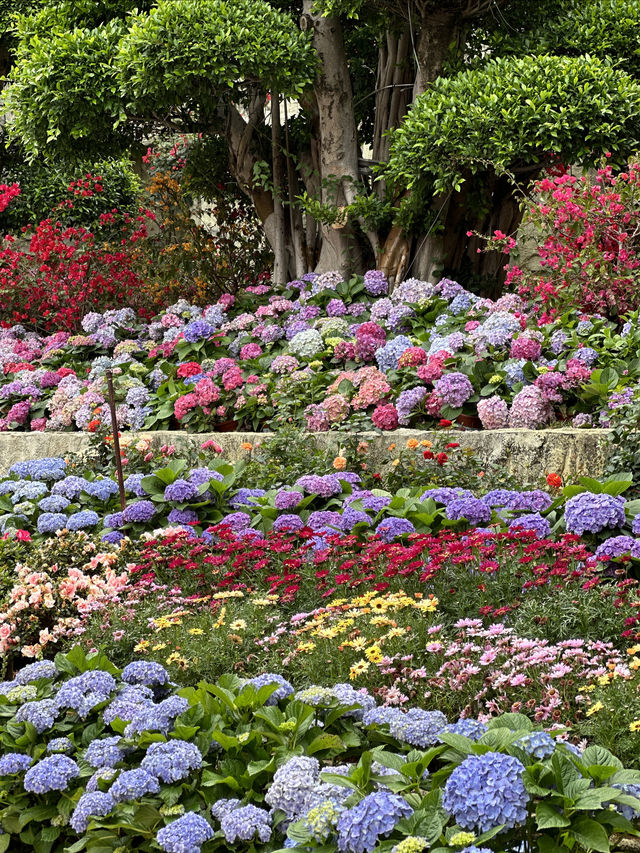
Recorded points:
(227, 426)
(469, 421)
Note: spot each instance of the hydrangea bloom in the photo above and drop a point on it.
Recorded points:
(133, 785)
(473, 510)
(60, 744)
(467, 727)
(52, 773)
(83, 692)
(616, 546)
(180, 491)
(104, 752)
(224, 807)
(291, 785)
(187, 834)
(588, 512)
(493, 412)
(532, 521)
(139, 512)
(41, 714)
(145, 672)
(418, 727)
(36, 671)
(14, 762)
(172, 761)
(283, 690)
(454, 389)
(538, 744)
(97, 804)
(486, 791)
(245, 824)
(343, 694)
(389, 528)
(374, 817)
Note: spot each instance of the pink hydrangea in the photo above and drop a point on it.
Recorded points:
(525, 347)
(251, 351)
(412, 357)
(336, 408)
(232, 379)
(493, 412)
(385, 417)
(206, 392)
(184, 404)
(529, 409)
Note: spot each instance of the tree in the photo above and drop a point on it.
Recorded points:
(462, 104)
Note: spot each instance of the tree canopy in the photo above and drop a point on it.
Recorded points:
(378, 132)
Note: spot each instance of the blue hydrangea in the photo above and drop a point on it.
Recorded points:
(102, 489)
(7, 687)
(291, 784)
(28, 491)
(35, 671)
(538, 744)
(586, 355)
(246, 824)
(113, 537)
(60, 744)
(51, 522)
(14, 762)
(473, 729)
(82, 520)
(343, 694)
(113, 520)
(52, 773)
(446, 494)
(134, 784)
(41, 714)
(182, 516)
(374, 817)
(198, 476)
(71, 487)
(53, 504)
(198, 330)
(625, 810)
(187, 834)
(389, 355)
(172, 761)
(133, 485)
(160, 717)
(104, 775)
(83, 692)
(47, 468)
(283, 690)
(487, 791)
(105, 752)
(382, 716)
(224, 807)
(97, 804)
(418, 727)
(591, 513)
(321, 820)
(149, 673)
(245, 497)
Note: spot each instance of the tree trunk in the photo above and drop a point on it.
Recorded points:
(338, 141)
(438, 31)
(280, 265)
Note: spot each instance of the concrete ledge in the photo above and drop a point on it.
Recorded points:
(528, 454)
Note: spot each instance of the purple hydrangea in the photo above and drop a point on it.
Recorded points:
(591, 513)
(487, 791)
(133, 484)
(83, 692)
(390, 528)
(473, 510)
(454, 389)
(408, 402)
(96, 804)
(52, 773)
(180, 491)
(326, 486)
(350, 517)
(237, 521)
(375, 283)
(446, 494)
(288, 521)
(198, 476)
(245, 824)
(182, 516)
(245, 497)
(617, 546)
(532, 521)
(160, 717)
(287, 500)
(374, 817)
(224, 807)
(139, 512)
(321, 519)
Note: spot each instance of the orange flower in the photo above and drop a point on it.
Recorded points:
(340, 463)
(246, 445)
(412, 443)
(392, 447)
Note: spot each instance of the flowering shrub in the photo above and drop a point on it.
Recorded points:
(116, 752)
(588, 243)
(424, 355)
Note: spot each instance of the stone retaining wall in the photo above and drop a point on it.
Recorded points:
(528, 454)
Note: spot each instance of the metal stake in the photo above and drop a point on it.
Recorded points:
(116, 439)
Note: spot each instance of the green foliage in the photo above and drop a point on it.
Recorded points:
(512, 113)
(194, 51)
(64, 93)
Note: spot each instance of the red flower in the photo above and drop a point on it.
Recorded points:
(441, 458)
(428, 455)
(445, 423)
(554, 480)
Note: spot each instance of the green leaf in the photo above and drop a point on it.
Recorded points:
(548, 817)
(590, 834)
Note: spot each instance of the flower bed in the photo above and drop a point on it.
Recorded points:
(96, 757)
(327, 354)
